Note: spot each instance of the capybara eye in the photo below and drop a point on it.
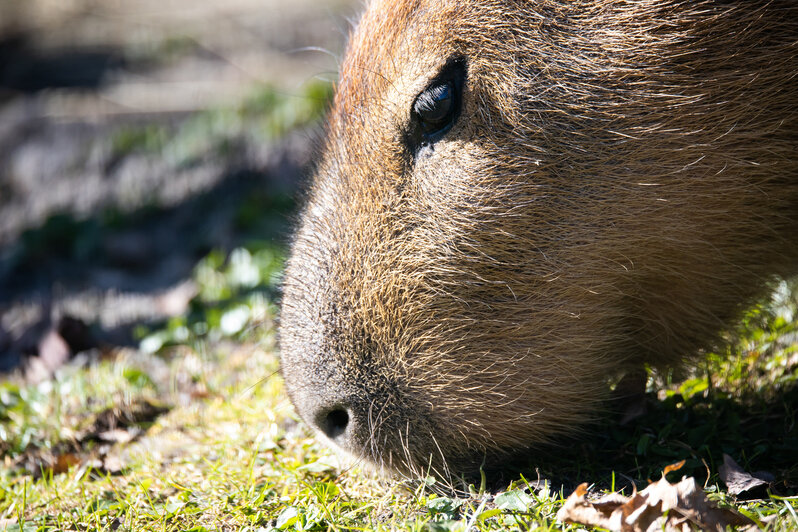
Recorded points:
(437, 107)
(434, 108)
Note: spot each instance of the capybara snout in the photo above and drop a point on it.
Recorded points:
(517, 201)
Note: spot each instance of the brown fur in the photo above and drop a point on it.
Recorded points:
(622, 182)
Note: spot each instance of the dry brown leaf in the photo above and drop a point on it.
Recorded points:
(661, 506)
(51, 352)
(577, 509)
(119, 423)
(742, 484)
(110, 464)
(64, 461)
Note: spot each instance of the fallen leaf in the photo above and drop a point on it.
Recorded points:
(578, 509)
(742, 484)
(49, 345)
(661, 506)
(125, 415)
(516, 500)
(110, 464)
(64, 461)
(90, 447)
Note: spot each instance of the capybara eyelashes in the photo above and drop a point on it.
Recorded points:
(437, 107)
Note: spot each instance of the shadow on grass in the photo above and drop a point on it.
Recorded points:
(759, 433)
(23, 68)
(148, 249)
(144, 253)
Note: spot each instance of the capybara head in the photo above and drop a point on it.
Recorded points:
(519, 200)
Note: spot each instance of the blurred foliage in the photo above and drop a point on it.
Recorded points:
(223, 136)
(267, 114)
(235, 299)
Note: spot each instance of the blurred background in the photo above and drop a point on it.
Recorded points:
(151, 153)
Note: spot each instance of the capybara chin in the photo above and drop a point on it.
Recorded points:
(520, 200)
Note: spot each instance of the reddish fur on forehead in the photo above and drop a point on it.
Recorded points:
(365, 70)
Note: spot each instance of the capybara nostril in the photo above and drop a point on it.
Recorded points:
(333, 422)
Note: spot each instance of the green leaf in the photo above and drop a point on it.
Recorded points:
(287, 517)
(515, 501)
(444, 506)
(642, 444)
(487, 514)
(137, 378)
(172, 508)
(313, 516)
(444, 526)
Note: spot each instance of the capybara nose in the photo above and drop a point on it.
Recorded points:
(334, 421)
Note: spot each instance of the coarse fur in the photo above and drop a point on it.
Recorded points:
(621, 184)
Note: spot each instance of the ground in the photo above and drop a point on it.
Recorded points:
(151, 155)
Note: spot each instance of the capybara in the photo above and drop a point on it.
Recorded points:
(518, 201)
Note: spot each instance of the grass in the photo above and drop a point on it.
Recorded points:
(203, 437)
(193, 431)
